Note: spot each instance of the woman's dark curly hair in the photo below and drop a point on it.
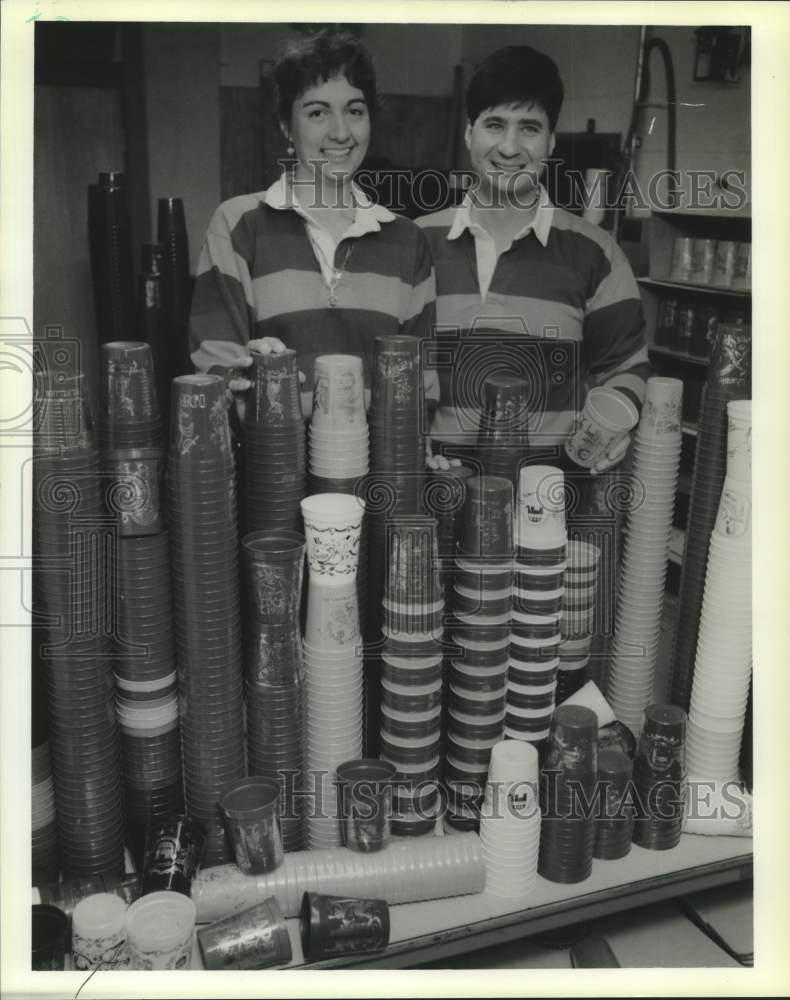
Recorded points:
(305, 62)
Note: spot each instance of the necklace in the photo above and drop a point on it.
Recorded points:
(337, 273)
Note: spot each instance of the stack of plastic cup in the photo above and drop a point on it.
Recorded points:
(510, 819)
(338, 427)
(145, 678)
(660, 778)
(503, 435)
(332, 656)
(728, 379)
(411, 682)
(578, 611)
(393, 488)
(274, 445)
(640, 598)
(171, 233)
(614, 818)
(71, 538)
(538, 591)
(568, 778)
(129, 415)
(480, 637)
(723, 667)
(110, 243)
(152, 325)
(204, 545)
(273, 568)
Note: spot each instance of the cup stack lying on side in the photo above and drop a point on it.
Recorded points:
(411, 681)
(273, 569)
(332, 656)
(510, 819)
(274, 445)
(538, 590)
(204, 539)
(576, 623)
(723, 667)
(640, 598)
(480, 635)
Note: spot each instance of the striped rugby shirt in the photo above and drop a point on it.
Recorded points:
(259, 276)
(560, 306)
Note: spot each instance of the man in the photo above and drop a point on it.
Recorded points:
(520, 280)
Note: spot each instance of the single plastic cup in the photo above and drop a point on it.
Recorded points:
(49, 938)
(365, 799)
(606, 418)
(98, 933)
(251, 810)
(255, 938)
(337, 925)
(159, 929)
(174, 847)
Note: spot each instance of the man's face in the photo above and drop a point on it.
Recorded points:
(508, 146)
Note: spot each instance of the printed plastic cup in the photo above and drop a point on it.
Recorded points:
(338, 925)
(365, 800)
(174, 847)
(251, 808)
(255, 938)
(98, 933)
(608, 415)
(159, 931)
(339, 392)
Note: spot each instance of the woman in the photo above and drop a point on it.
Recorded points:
(311, 263)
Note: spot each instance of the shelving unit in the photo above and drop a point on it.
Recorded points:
(720, 304)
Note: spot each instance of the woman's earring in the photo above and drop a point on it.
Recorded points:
(290, 150)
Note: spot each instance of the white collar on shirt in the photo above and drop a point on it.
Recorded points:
(368, 216)
(540, 224)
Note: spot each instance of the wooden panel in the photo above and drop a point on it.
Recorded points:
(77, 134)
(241, 145)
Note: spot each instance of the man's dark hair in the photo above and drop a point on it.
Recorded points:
(517, 74)
(306, 62)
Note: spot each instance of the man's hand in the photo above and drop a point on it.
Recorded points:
(438, 463)
(614, 454)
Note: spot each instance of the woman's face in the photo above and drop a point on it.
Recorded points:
(330, 130)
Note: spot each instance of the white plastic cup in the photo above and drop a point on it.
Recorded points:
(98, 933)
(607, 416)
(159, 930)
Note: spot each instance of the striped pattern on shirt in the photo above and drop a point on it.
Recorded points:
(566, 316)
(258, 277)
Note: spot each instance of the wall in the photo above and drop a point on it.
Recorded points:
(182, 79)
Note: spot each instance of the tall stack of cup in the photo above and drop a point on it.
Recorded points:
(171, 233)
(146, 684)
(129, 415)
(43, 821)
(72, 538)
(152, 326)
(538, 590)
(640, 598)
(660, 778)
(568, 779)
(503, 435)
(204, 538)
(274, 445)
(723, 666)
(578, 610)
(394, 487)
(110, 242)
(728, 379)
(332, 655)
(510, 819)
(339, 444)
(480, 635)
(273, 568)
(411, 681)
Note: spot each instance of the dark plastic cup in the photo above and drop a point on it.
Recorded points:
(339, 925)
(365, 800)
(251, 808)
(50, 925)
(255, 938)
(174, 847)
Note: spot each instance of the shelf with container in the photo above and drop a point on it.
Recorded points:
(699, 275)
